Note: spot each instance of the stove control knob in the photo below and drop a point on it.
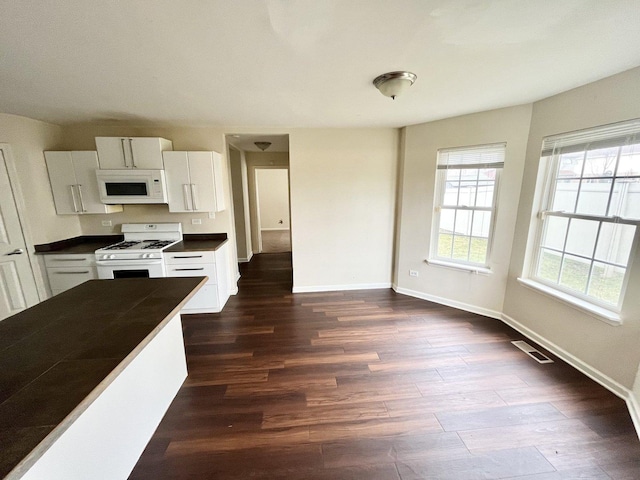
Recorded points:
(150, 255)
(112, 256)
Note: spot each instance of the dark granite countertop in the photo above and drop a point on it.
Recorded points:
(90, 243)
(53, 355)
(192, 242)
(83, 244)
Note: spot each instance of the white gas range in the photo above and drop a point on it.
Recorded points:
(140, 254)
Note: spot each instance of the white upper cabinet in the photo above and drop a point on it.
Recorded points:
(131, 152)
(74, 185)
(194, 181)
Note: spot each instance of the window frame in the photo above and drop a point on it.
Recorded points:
(552, 164)
(439, 194)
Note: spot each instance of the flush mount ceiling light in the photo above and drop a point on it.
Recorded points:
(393, 84)
(262, 145)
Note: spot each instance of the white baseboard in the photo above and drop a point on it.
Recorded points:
(450, 303)
(335, 288)
(246, 260)
(594, 374)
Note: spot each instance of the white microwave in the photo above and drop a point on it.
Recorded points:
(132, 186)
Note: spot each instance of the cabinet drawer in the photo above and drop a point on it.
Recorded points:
(64, 278)
(173, 258)
(71, 260)
(193, 270)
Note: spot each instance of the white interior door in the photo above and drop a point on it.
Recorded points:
(17, 285)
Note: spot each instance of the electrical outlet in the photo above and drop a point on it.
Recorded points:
(413, 273)
(212, 214)
(107, 223)
(196, 221)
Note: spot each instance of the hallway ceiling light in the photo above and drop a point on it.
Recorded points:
(394, 83)
(262, 145)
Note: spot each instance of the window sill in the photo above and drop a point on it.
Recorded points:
(600, 313)
(460, 266)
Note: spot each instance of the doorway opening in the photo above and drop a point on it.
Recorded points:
(259, 166)
(272, 203)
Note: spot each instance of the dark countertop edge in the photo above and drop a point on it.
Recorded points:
(199, 242)
(60, 246)
(26, 463)
(188, 237)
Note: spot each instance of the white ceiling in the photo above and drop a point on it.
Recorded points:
(301, 63)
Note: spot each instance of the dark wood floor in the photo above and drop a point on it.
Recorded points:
(376, 385)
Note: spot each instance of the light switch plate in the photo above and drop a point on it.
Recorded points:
(107, 223)
(196, 221)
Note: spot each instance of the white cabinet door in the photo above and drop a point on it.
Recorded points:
(176, 170)
(113, 152)
(203, 187)
(192, 182)
(144, 153)
(74, 184)
(63, 182)
(219, 183)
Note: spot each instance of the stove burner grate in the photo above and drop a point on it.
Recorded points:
(121, 245)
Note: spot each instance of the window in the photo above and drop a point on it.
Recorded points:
(590, 214)
(466, 192)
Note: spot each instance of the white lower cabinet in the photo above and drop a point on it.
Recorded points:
(212, 297)
(66, 271)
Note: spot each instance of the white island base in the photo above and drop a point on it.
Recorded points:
(105, 435)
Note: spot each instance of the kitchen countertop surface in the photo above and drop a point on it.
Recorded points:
(90, 243)
(83, 244)
(56, 353)
(192, 242)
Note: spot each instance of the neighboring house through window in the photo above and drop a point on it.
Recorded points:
(465, 205)
(590, 213)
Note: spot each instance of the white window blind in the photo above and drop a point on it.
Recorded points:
(482, 156)
(616, 134)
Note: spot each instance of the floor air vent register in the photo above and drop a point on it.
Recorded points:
(532, 352)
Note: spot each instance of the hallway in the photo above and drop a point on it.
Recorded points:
(378, 386)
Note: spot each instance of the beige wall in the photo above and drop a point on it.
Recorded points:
(238, 169)
(607, 350)
(477, 292)
(29, 139)
(343, 186)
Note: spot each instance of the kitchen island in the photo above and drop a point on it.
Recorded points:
(87, 376)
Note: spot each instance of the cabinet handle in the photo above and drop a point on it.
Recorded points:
(189, 256)
(124, 154)
(185, 192)
(69, 260)
(81, 199)
(72, 273)
(133, 159)
(194, 196)
(73, 198)
(186, 269)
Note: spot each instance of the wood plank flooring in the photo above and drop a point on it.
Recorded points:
(375, 385)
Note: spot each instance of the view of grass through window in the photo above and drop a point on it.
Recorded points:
(456, 247)
(573, 273)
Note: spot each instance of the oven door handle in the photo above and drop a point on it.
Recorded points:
(124, 263)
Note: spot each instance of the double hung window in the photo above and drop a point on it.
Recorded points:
(590, 212)
(465, 204)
